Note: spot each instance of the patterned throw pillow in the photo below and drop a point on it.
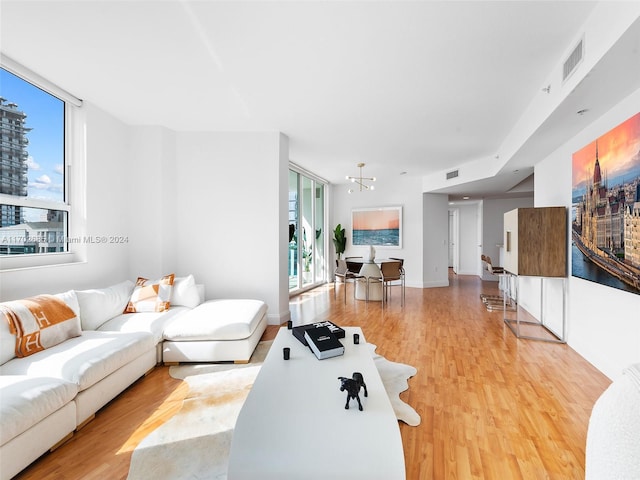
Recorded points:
(151, 296)
(40, 322)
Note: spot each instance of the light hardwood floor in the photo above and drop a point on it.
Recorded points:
(492, 406)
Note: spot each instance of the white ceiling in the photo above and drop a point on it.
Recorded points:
(413, 87)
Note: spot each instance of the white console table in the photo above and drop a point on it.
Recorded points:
(293, 424)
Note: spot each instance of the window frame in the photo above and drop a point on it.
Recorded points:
(73, 152)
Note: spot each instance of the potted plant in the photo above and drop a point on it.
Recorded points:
(339, 240)
(307, 254)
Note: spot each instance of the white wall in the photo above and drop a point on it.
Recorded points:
(231, 215)
(435, 214)
(212, 204)
(403, 190)
(106, 210)
(151, 180)
(603, 322)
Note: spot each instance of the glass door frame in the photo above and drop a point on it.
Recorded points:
(315, 279)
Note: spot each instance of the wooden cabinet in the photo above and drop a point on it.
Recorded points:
(535, 242)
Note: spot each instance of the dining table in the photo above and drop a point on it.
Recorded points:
(368, 269)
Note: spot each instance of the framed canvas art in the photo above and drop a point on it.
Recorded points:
(378, 226)
(605, 224)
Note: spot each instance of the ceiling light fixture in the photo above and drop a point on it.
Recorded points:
(359, 180)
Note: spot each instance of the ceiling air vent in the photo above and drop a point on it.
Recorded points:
(574, 59)
(452, 174)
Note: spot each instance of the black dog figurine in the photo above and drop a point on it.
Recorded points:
(353, 386)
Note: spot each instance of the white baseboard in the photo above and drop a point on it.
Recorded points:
(274, 319)
(467, 272)
(436, 283)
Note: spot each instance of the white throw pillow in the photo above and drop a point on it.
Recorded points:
(71, 299)
(185, 292)
(101, 304)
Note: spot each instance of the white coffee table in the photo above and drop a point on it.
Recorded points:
(293, 424)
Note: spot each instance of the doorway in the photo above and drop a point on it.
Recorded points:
(307, 240)
(454, 232)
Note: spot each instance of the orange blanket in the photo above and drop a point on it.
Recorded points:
(40, 322)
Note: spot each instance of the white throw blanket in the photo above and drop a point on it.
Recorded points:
(613, 439)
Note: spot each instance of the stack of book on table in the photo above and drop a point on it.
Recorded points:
(322, 338)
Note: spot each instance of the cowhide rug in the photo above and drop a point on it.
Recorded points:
(195, 443)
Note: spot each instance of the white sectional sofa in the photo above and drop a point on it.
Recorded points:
(613, 437)
(46, 396)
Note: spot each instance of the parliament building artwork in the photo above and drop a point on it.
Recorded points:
(606, 208)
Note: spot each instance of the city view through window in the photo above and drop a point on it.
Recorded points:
(33, 212)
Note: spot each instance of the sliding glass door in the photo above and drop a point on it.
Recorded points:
(307, 262)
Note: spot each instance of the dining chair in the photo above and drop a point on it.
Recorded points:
(401, 260)
(390, 272)
(354, 264)
(344, 275)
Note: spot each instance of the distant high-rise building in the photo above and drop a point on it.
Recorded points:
(13, 160)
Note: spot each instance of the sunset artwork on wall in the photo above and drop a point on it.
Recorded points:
(380, 227)
(605, 225)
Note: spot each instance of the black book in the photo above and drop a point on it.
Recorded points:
(323, 343)
(298, 332)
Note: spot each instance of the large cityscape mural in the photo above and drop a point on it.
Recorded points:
(605, 245)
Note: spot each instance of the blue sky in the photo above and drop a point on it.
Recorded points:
(45, 116)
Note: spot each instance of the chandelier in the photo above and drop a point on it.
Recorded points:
(359, 180)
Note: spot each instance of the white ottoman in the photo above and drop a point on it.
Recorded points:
(216, 331)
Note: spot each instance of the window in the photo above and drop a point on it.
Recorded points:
(34, 206)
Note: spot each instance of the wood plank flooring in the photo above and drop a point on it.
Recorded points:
(492, 406)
